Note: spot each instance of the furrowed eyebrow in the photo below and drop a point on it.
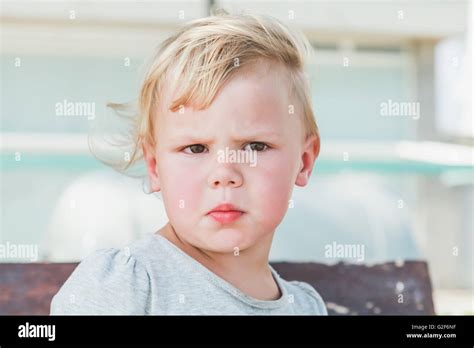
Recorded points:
(259, 136)
(190, 139)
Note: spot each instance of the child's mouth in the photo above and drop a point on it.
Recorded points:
(225, 213)
(226, 217)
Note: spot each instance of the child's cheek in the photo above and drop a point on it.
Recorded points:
(183, 187)
(272, 188)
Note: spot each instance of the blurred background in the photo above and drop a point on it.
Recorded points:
(392, 94)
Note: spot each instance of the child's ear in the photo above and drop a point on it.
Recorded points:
(150, 161)
(308, 157)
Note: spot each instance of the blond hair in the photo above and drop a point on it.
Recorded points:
(195, 62)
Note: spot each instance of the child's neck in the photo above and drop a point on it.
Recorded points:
(248, 272)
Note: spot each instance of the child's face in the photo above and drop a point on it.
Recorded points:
(253, 107)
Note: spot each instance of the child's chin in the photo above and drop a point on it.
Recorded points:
(230, 240)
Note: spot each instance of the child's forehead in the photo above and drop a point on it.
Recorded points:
(240, 109)
(255, 95)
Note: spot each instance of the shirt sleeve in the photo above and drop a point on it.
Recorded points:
(311, 300)
(108, 282)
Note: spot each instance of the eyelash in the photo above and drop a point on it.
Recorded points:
(266, 147)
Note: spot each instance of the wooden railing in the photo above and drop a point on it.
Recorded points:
(348, 289)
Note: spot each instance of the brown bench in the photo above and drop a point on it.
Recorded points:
(348, 289)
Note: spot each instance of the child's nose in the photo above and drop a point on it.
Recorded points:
(225, 176)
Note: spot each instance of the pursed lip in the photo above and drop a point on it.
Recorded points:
(225, 213)
(226, 207)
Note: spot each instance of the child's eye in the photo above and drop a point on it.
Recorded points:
(196, 148)
(256, 146)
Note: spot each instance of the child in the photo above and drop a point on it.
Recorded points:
(226, 130)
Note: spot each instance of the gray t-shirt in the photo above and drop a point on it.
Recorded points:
(153, 276)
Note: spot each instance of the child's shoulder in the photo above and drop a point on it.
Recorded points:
(108, 281)
(308, 300)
